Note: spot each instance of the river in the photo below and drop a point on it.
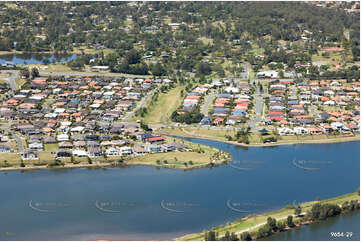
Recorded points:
(36, 58)
(343, 227)
(146, 203)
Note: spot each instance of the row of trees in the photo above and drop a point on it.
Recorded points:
(187, 117)
(318, 212)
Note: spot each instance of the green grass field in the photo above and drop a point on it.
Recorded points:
(161, 110)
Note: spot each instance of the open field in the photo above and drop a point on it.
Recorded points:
(20, 82)
(161, 110)
(253, 220)
(199, 133)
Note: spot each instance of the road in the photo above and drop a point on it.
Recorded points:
(19, 141)
(245, 74)
(259, 110)
(141, 105)
(11, 80)
(208, 102)
(91, 74)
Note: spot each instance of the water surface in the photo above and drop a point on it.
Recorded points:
(36, 58)
(160, 204)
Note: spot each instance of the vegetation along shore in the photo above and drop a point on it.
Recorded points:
(254, 227)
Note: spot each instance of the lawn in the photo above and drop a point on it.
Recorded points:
(11, 158)
(199, 156)
(51, 147)
(20, 82)
(161, 110)
(202, 133)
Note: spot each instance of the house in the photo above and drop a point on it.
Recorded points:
(35, 146)
(167, 147)
(94, 152)
(29, 155)
(63, 154)
(139, 150)
(155, 139)
(4, 138)
(65, 145)
(337, 126)
(5, 149)
(205, 121)
(267, 74)
(285, 131)
(49, 140)
(144, 136)
(80, 153)
(300, 130)
(153, 148)
(112, 152)
(126, 150)
(62, 137)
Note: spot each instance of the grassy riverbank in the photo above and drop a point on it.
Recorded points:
(253, 222)
(256, 139)
(196, 156)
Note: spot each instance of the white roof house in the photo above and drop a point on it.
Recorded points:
(231, 89)
(77, 129)
(330, 102)
(59, 110)
(300, 130)
(112, 152)
(285, 131)
(80, 153)
(126, 150)
(267, 74)
(62, 137)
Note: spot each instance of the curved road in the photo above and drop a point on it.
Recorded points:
(11, 79)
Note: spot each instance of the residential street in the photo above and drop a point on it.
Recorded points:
(208, 102)
(11, 79)
(258, 110)
(19, 141)
(141, 105)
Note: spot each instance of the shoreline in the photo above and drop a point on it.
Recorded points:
(172, 166)
(103, 165)
(319, 141)
(285, 212)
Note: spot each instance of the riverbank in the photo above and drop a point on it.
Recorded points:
(220, 135)
(252, 223)
(194, 156)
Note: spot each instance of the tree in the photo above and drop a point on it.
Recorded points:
(264, 231)
(298, 211)
(158, 70)
(210, 236)
(272, 223)
(281, 225)
(25, 73)
(132, 57)
(34, 72)
(245, 236)
(290, 221)
(203, 69)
